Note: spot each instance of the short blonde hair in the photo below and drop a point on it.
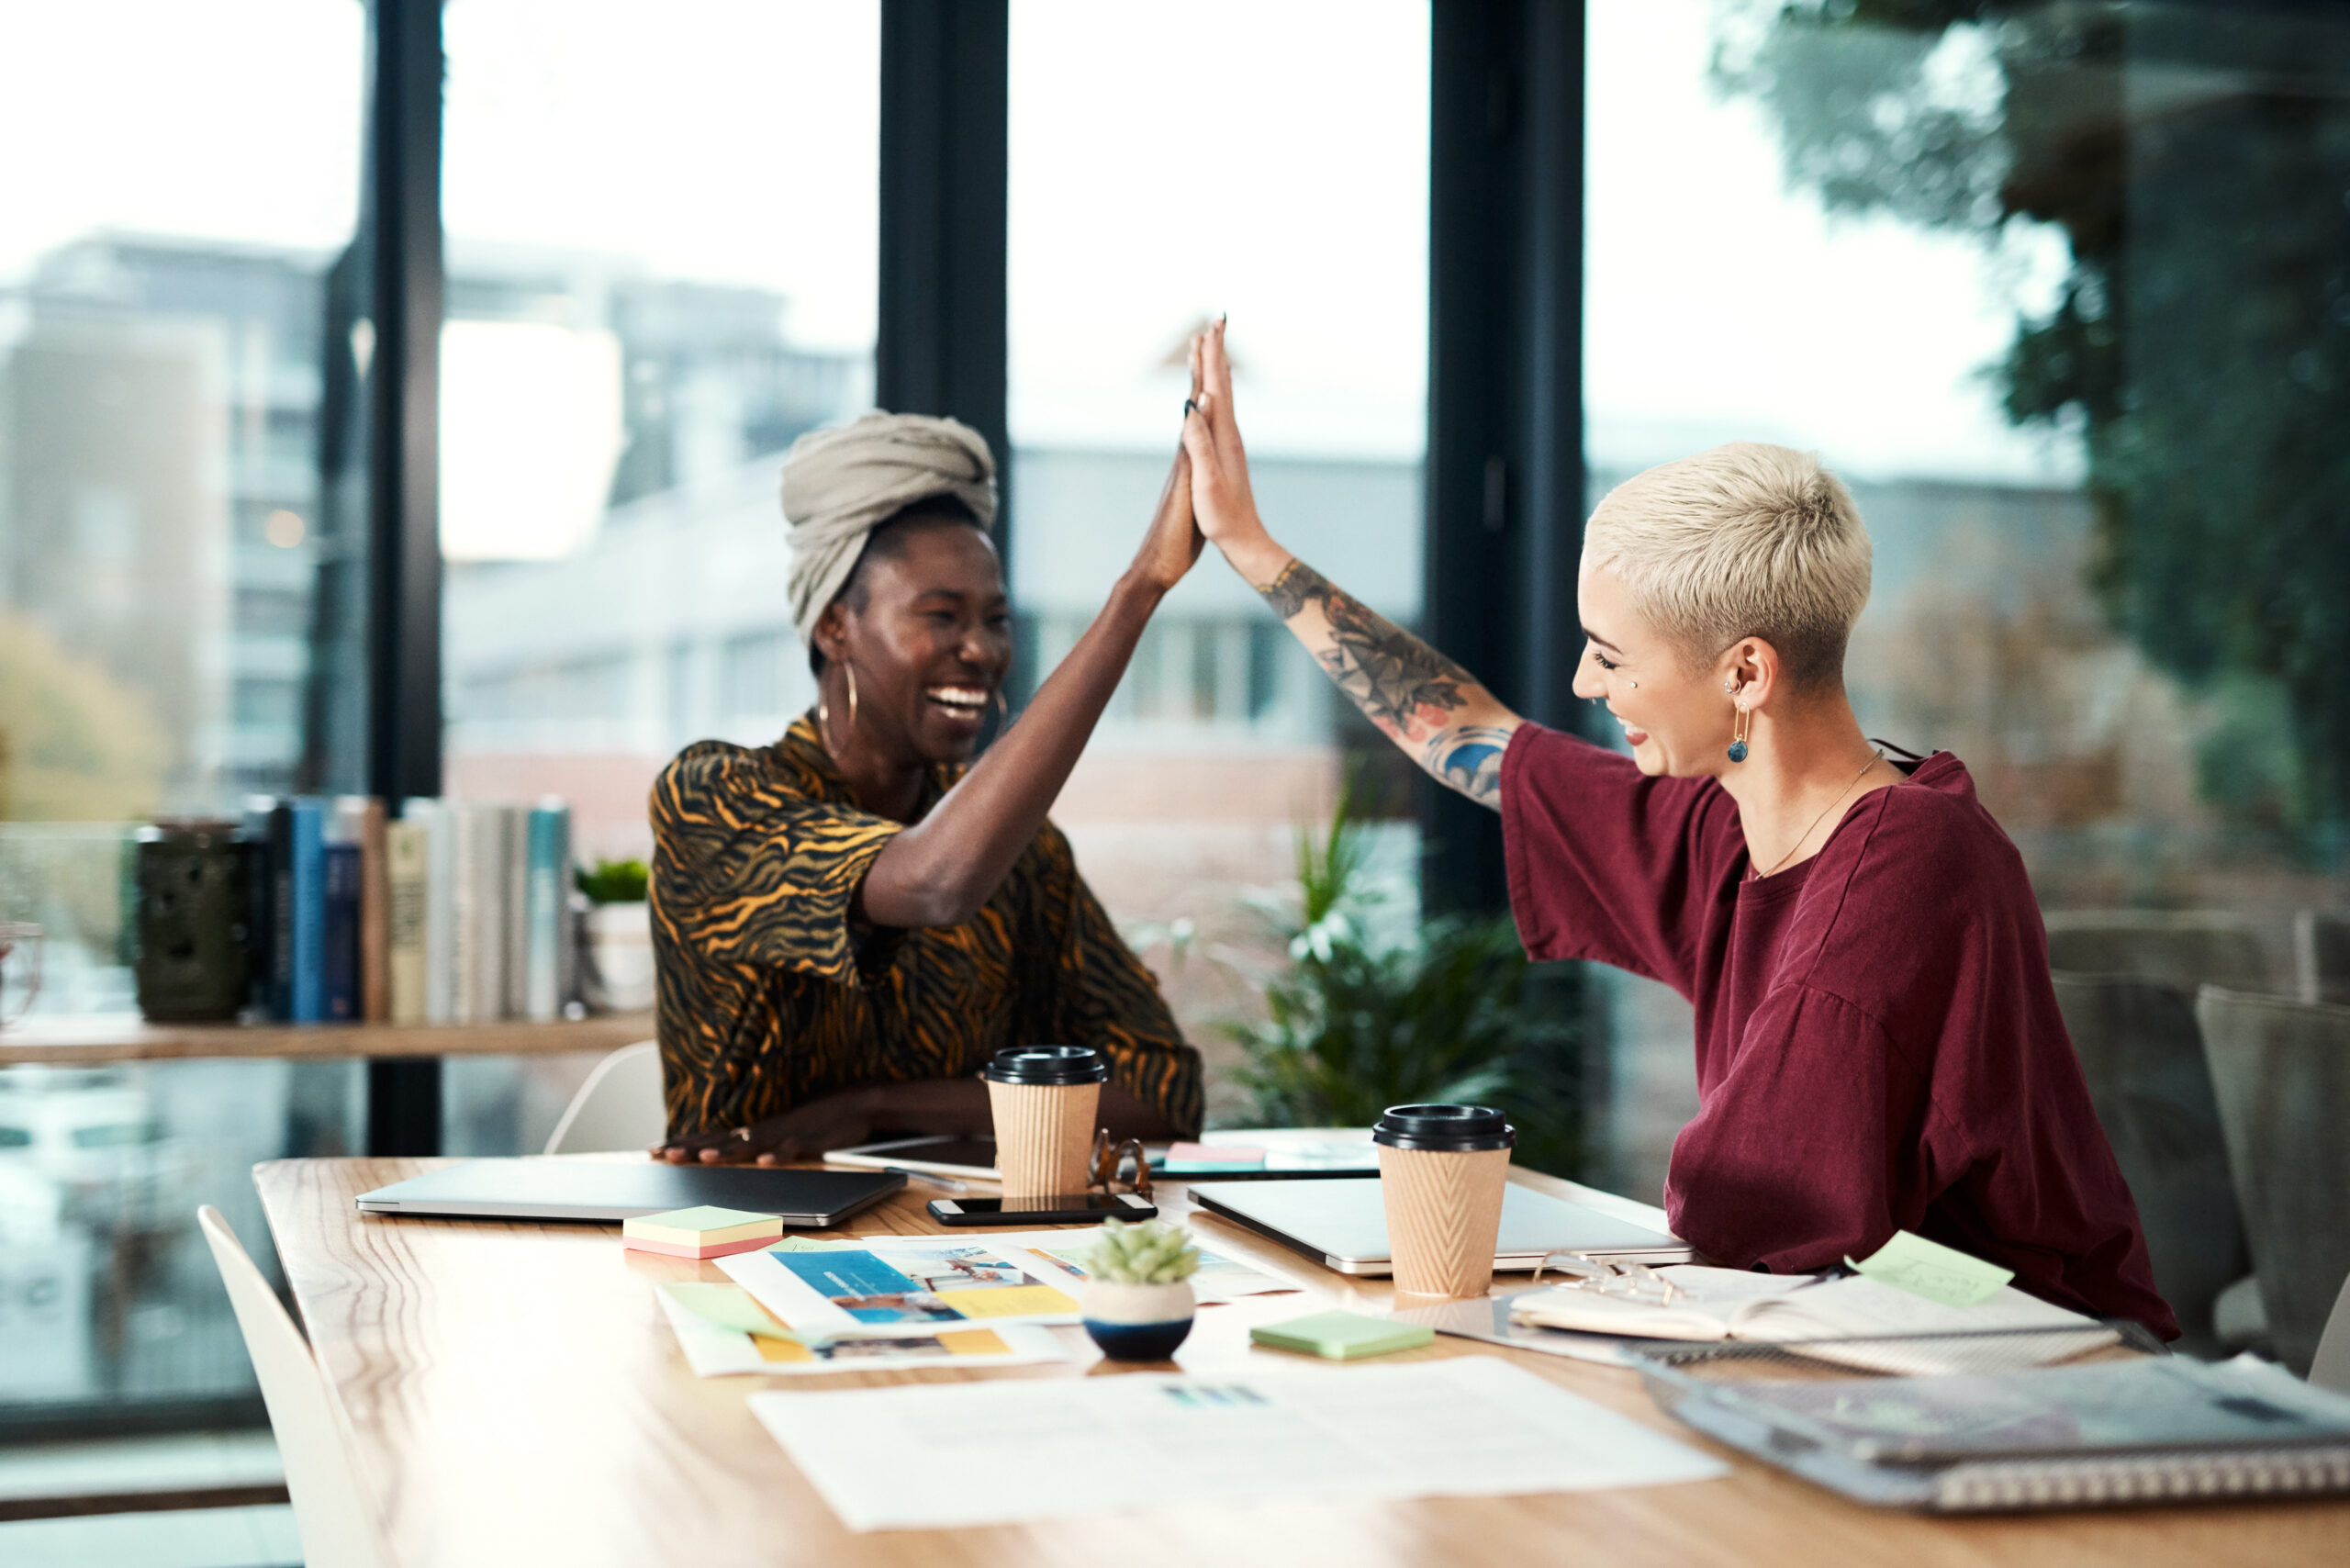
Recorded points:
(1744, 541)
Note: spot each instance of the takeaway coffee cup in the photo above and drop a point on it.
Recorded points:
(1046, 1100)
(1442, 1169)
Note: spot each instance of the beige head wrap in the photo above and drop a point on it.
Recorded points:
(838, 482)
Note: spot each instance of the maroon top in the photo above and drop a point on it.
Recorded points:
(1878, 1045)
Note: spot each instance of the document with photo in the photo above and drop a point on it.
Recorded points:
(903, 1281)
(1061, 1256)
(714, 1349)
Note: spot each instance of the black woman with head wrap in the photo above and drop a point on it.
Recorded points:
(849, 921)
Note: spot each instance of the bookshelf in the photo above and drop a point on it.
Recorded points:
(93, 1040)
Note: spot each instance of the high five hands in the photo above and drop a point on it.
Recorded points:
(1221, 498)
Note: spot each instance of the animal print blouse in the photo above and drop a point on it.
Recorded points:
(769, 998)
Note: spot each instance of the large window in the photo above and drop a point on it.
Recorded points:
(181, 181)
(662, 228)
(1312, 233)
(661, 269)
(2058, 288)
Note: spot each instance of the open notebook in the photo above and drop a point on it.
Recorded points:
(1855, 1321)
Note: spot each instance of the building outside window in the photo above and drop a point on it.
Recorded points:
(174, 212)
(1224, 738)
(2057, 287)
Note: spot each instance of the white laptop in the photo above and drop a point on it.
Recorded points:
(1342, 1224)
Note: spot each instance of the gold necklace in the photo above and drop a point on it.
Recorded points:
(1875, 758)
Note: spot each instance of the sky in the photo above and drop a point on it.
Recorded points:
(1266, 159)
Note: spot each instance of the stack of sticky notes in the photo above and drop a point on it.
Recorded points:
(1342, 1336)
(704, 1232)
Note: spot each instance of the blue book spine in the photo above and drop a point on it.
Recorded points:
(306, 916)
(546, 905)
(341, 961)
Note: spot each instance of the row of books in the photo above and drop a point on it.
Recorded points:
(447, 912)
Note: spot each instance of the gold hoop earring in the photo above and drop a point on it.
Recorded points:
(1740, 729)
(850, 670)
(1003, 708)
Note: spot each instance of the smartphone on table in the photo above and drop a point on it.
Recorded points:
(1068, 1208)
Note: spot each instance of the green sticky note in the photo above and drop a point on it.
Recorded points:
(729, 1306)
(1342, 1336)
(1931, 1270)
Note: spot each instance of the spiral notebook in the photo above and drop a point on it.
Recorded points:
(2134, 1430)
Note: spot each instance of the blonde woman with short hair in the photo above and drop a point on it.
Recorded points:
(1878, 1044)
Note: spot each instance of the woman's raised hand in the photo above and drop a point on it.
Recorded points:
(1220, 493)
(1174, 541)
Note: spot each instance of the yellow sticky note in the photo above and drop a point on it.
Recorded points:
(974, 1342)
(1931, 1270)
(1012, 1301)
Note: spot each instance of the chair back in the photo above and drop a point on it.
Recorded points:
(2322, 955)
(2181, 947)
(332, 1507)
(2280, 1070)
(619, 1108)
(2143, 1055)
(2331, 1367)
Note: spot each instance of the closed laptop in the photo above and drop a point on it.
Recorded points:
(599, 1189)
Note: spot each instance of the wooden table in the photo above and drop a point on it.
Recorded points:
(108, 1038)
(517, 1398)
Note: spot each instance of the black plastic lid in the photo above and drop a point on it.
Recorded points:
(1454, 1129)
(1048, 1064)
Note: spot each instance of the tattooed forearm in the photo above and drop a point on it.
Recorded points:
(1298, 585)
(1469, 760)
(1401, 685)
(1429, 706)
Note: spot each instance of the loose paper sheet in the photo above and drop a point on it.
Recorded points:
(1006, 1450)
(1931, 1270)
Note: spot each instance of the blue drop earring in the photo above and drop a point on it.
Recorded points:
(1740, 728)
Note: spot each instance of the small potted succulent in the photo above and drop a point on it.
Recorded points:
(1136, 1297)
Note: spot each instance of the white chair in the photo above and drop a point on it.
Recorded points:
(619, 1106)
(332, 1508)
(2331, 1367)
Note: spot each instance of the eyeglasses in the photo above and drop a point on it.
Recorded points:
(1110, 1164)
(1634, 1282)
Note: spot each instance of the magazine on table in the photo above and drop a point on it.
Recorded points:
(2133, 1430)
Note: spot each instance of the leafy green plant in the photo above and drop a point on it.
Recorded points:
(614, 882)
(1447, 1014)
(1150, 1253)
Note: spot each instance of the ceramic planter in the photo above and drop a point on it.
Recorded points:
(1138, 1323)
(620, 941)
